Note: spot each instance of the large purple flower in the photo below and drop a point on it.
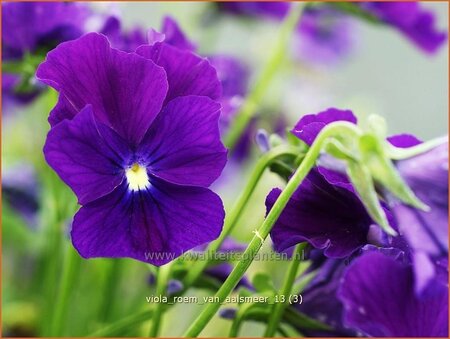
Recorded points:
(30, 28)
(136, 138)
(416, 23)
(380, 301)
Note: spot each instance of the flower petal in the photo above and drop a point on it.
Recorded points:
(125, 90)
(88, 156)
(187, 73)
(63, 110)
(193, 156)
(310, 125)
(379, 299)
(403, 140)
(154, 226)
(174, 35)
(328, 217)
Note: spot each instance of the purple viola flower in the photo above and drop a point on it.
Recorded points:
(380, 301)
(136, 138)
(234, 77)
(324, 35)
(318, 212)
(426, 232)
(30, 28)
(416, 23)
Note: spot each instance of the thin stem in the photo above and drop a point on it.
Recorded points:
(253, 100)
(257, 241)
(233, 216)
(70, 272)
(161, 288)
(286, 290)
(396, 153)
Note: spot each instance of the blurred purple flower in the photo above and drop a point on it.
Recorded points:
(416, 23)
(274, 10)
(30, 28)
(380, 301)
(136, 138)
(324, 35)
(234, 77)
(20, 190)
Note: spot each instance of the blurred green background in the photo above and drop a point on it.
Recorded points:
(385, 74)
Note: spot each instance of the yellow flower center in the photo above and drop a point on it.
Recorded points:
(137, 177)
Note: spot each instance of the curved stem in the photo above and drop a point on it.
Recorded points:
(161, 288)
(257, 241)
(286, 290)
(396, 153)
(233, 216)
(250, 105)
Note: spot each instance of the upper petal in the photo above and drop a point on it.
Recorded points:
(125, 90)
(183, 144)
(187, 73)
(88, 156)
(379, 300)
(309, 126)
(154, 226)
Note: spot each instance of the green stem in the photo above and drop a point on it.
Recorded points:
(113, 273)
(254, 98)
(255, 244)
(161, 288)
(396, 153)
(70, 272)
(233, 216)
(286, 290)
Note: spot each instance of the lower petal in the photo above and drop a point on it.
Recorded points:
(155, 225)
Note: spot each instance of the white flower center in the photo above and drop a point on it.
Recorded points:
(137, 177)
